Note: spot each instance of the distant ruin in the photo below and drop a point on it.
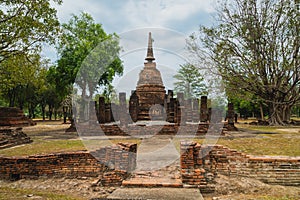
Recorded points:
(10, 116)
(11, 122)
(151, 102)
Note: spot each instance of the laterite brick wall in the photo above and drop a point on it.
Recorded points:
(200, 164)
(73, 164)
(94, 129)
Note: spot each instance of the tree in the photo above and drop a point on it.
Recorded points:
(255, 46)
(88, 54)
(190, 81)
(21, 77)
(24, 25)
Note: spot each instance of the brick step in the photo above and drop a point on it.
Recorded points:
(152, 182)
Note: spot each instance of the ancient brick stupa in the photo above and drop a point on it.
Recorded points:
(147, 101)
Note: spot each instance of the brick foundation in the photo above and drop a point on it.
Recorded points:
(12, 136)
(73, 165)
(94, 129)
(10, 116)
(200, 165)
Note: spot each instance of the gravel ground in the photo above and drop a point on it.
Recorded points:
(227, 188)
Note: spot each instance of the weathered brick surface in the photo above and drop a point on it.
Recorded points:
(74, 164)
(10, 116)
(120, 157)
(200, 164)
(170, 129)
(12, 136)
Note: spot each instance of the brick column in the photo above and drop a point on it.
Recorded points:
(123, 113)
(189, 111)
(176, 112)
(101, 110)
(92, 112)
(196, 113)
(108, 113)
(134, 106)
(170, 95)
(182, 110)
(171, 111)
(203, 109)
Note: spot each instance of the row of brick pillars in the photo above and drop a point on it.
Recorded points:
(175, 110)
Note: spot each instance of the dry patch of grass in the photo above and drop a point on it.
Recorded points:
(9, 193)
(273, 146)
(40, 146)
(49, 137)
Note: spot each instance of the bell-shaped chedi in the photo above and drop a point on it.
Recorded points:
(150, 89)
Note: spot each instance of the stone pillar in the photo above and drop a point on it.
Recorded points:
(107, 113)
(216, 126)
(92, 112)
(114, 112)
(101, 110)
(176, 112)
(230, 113)
(171, 111)
(196, 113)
(123, 113)
(134, 106)
(165, 111)
(182, 110)
(189, 112)
(170, 95)
(216, 115)
(203, 109)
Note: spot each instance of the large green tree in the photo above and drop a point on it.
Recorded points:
(190, 81)
(23, 81)
(255, 46)
(25, 25)
(88, 55)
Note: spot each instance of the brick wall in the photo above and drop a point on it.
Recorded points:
(73, 164)
(12, 136)
(93, 129)
(200, 164)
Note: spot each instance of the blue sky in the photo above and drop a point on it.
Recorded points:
(170, 21)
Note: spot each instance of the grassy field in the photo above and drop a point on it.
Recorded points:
(50, 137)
(8, 193)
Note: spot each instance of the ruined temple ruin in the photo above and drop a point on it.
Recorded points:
(150, 102)
(11, 122)
(147, 101)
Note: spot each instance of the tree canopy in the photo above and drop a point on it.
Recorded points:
(83, 48)
(255, 47)
(190, 81)
(25, 25)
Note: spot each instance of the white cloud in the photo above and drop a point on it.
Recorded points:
(123, 16)
(162, 12)
(119, 16)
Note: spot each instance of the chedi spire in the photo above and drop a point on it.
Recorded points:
(150, 56)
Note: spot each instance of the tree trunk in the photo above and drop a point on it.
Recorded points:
(43, 112)
(55, 114)
(287, 113)
(50, 112)
(261, 112)
(65, 114)
(276, 115)
(11, 95)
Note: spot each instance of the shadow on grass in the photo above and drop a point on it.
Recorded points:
(257, 132)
